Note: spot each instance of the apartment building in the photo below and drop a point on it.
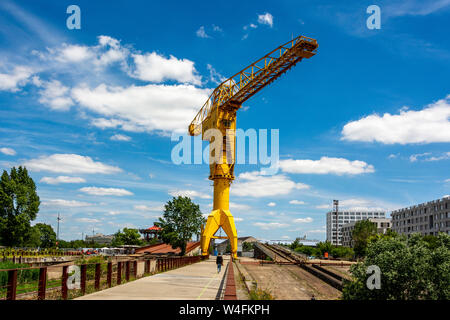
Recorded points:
(382, 225)
(334, 226)
(428, 218)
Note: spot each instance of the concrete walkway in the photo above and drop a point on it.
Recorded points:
(198, 281)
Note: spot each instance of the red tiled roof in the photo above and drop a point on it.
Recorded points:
(162, 248)
(154, 228)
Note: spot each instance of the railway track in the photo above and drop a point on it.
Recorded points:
(283, 255)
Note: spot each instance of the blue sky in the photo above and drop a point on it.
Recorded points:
(90, 112)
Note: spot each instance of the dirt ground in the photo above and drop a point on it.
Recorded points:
(290, 282)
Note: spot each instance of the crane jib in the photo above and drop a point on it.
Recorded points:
(244, 84)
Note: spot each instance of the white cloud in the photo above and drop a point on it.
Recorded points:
(106, 191)
(359, 204)
(270, 225)
(120, 137)
(254, 184)
(55, 95)
(271, 204)
(316, 231)
(62, 179)
(326, 165)
(444, 156)
(266, 18)
(189, 193)
(106, 52)
(143, 108)
(428, 125)
(413, 157)
(17, 78)
(303, 220)
(66, 203)
(238, 219)
(296, 202)
(74, 53)
(69, 163)
(8, 151)
(214, 76)
(87, 220)
(201, 33)
(156, 68)
(238, 206)
(143, 207)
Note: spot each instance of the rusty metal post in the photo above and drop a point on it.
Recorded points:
(83, 279)
(127, 270)
(42, 283)
(12, 285)
(119, 272)
(97, 276)
(109, 275)
(64, 278)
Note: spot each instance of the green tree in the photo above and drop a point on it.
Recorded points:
(19, 205)
(410, 270)
(127, 237)
(181, 219)
(323, 247)
(34, 238)
(362, 232)
(46, 234)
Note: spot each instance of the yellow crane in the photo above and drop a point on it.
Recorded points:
(219, 113)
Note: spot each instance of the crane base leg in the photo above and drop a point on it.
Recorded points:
(216, 219)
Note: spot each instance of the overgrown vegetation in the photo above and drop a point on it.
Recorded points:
(411, 269)
(321, 248)
(260, 294)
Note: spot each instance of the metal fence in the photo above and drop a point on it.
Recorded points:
(61, 283)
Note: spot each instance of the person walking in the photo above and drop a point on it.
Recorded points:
(219, 262)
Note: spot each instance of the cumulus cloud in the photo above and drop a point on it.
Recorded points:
(424, 156)
(157, 68)
(296, 202)
(254, 184)
(106, 191)
(201, 33)
(62, 179)
(66, 203)
(189, 193)
(55, 95)
(8, 151)
(303, 220)
(87, 220)
(143, 207)
(143, 108)
(69, 163)
(270, 225)
(120, 137)
(17, 78)
(238, 206)
(271, 204)
(266, 19)
(326, 165)
(431, 124)
(361, 204)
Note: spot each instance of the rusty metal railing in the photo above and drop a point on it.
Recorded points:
(51, 282)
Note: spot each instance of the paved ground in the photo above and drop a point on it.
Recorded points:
(198, 281)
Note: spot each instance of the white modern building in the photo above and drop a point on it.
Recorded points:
(428, 218)
(335, 223)
(382, 225)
